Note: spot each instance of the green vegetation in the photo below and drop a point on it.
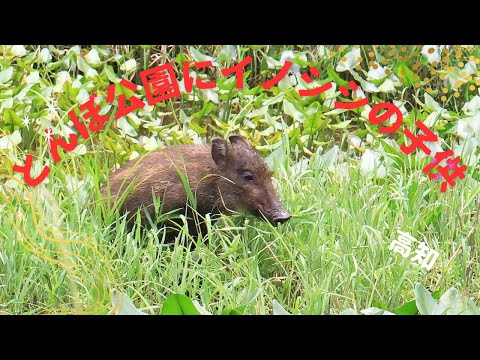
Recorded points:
(347, 184)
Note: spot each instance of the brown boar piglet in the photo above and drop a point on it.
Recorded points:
(224, 176)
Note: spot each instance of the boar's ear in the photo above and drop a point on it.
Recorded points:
(239, 140)
(219, 151)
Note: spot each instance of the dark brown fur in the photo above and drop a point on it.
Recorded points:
(219, 174)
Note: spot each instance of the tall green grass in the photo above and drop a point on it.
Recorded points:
(333, 254)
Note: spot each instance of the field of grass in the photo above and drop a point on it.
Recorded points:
(347, 186)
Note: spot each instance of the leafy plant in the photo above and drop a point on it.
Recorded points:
(452, 302)
(177, 304)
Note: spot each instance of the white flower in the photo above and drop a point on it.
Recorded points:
(351, 60)
(9, 142)
(26, 121)
(125, 128)
(33, 78)
(61, 77)
(133, 155)
(458, 76)
(364, 84)
(83, 96)
(387, 86)
(92, 57)
(378, 73)
(331, 96)
(79, 188)
(432, 53)
(211, 95)
(290, 56)
(467, 149)
(358, 94)
(323, 52)
(469, 126)
(401, 106)
(148, 143)
(48, 135)
(355, 141)
(471, 107)
(52, 109)
(366, 112)
(434, 147)
(371, 166)
(45, 55)
(18, 50)
(435, 107)
(129, 65)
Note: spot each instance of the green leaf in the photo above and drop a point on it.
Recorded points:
(177, 304)
(402, 71)
(101, 49)
(341, 125)
(200, 130)
(252, 295)
(273, 100)
(409, 308)
(290, 109)
(227, 54)
(207, 108)
(111, 74)
(425, 302)
(122, 305)
(180, 59)
(198, 56)
(326, 160)
(453, 302)
(200, 308)
(375, 311)
(10, 141)
(335, 77)
(6, 75)
(85, 68)
(54, 65)
(294, 137)
(64, 102)
(300, 61)
(377, 82)
(380, 304)
(11, 118)
(237, 311)
(314, 122)
(70, 90)
(125, 127)
(349, 311)
(278, 309)
(125, 91)
(436, 294)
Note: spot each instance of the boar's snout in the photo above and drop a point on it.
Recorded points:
(281, 216)
(278, 215)
(270, 207)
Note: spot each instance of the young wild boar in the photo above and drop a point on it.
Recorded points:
(224, 176)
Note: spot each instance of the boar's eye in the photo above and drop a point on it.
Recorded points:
(247, 176)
